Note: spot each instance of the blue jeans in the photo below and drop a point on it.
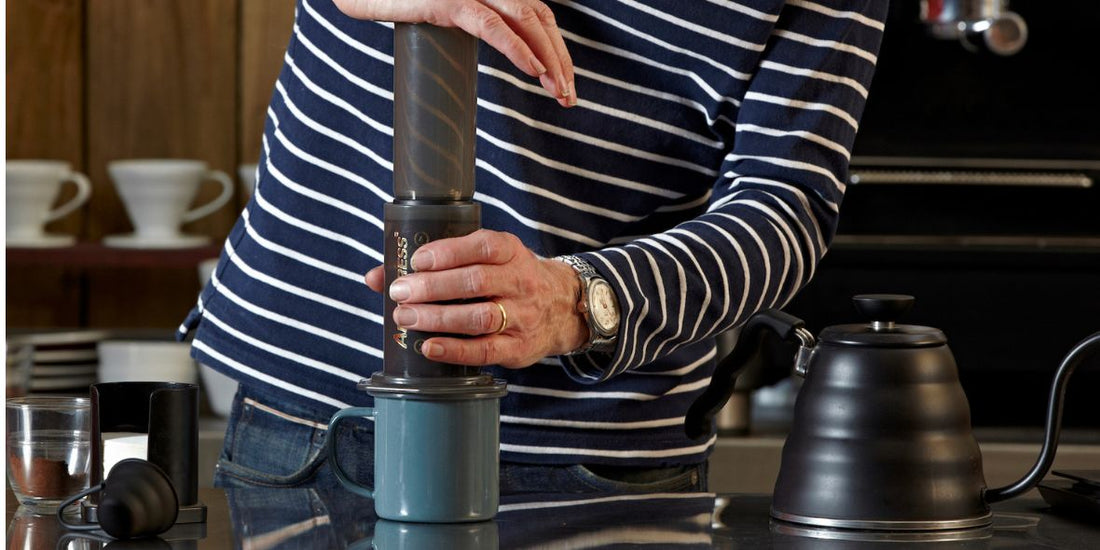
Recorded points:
(273, 444)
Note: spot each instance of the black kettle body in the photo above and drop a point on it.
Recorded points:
(893, 425)
(881, 436)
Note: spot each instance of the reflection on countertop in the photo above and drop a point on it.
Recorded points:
(307, 518)
(750, 463)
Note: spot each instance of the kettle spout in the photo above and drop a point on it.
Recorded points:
(1053, 424)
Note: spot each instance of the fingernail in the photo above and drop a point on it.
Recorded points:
(431, 349)
(423, 259)
(404, 316)
(572, 97)
(563, 87)
(537, 66)
(399, 291)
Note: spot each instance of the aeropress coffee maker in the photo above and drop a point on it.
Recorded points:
(436, 425)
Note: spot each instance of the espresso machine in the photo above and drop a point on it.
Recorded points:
(977, 24)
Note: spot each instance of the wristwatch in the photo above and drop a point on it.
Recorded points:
(598, 305)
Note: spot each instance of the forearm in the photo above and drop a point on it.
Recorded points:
(774, 206)
(706, 276)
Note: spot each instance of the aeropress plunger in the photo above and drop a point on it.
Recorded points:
(437, 433)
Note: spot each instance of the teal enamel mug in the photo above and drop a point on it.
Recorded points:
(435, 460)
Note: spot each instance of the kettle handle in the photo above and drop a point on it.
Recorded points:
(1053, 426)
(697, 422)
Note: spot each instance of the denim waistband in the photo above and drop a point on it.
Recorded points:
(285, 403)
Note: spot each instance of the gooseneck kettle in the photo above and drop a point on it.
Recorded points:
(881, 436)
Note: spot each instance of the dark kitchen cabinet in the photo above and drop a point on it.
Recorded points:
(976, 188)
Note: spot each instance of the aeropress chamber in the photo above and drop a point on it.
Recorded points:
(437, 425)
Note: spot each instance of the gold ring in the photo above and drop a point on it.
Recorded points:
(503, 318)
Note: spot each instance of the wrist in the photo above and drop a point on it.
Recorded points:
(597, 304)
(572, 333)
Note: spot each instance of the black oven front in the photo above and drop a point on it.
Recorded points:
(975, 186)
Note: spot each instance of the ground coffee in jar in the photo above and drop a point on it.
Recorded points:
(46, 478)
(48, 448)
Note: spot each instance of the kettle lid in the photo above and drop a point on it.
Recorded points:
(882, 312)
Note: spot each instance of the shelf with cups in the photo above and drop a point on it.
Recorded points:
(155, 194)
(90, 272)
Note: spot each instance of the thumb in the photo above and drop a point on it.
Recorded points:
(375, 279)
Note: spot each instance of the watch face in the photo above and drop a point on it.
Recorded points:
(604, 308)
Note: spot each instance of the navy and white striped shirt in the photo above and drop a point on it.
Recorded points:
(701, 173)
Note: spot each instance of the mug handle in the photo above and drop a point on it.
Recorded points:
(83, 192)
(330, 448)
(208, 208)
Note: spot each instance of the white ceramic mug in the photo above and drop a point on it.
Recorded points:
(158, 192)
(219, 389)
(146, 361)
(31, 188)
(206, 270)
(247, 172)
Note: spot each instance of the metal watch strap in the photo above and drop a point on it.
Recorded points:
(585, 271)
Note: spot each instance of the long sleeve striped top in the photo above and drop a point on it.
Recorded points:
(701, 173)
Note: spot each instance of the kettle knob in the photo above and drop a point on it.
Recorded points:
(882, 310)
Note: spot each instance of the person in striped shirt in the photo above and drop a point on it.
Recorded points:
(692, 155)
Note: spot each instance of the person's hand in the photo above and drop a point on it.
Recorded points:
(539, 296)
(523, 30)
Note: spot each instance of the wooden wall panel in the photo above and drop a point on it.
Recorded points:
(45, 121)
(140, 298)
(44, 297)
(162, 82)
(45, 86)
(265, 31)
